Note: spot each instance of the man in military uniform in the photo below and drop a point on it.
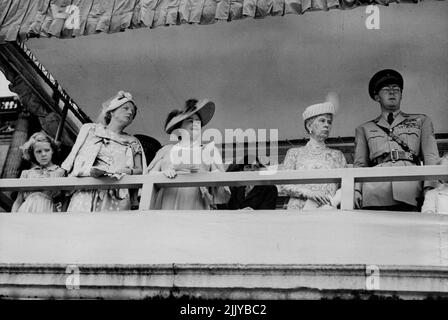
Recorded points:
(394, 138)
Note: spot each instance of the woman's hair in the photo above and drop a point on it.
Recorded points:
(190, 104)
(108, 114)
(28, 147)
(307, 121)
(170, 116)
(107, 117)
(310, 120)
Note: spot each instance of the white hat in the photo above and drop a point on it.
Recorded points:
(115, 102)
(317, 109)
(204, 108)
(120, 99)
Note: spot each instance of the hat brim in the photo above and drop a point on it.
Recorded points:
(107, 107)
(205, 110)
(385, 82)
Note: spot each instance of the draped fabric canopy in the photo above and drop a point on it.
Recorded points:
(20, 19)
(260, 73)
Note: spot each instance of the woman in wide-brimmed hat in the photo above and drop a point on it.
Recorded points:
(189, 155)
(318, 119)
(104, 149)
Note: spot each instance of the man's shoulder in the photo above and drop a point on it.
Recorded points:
(369, 123)
(417, 120)
(414, 115)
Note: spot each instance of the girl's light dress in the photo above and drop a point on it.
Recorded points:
(40, 201)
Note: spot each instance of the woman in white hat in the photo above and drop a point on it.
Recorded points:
(318, 119)
(104, 149)
(189, 155)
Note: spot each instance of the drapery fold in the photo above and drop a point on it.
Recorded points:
(13, 18)
(21, 19)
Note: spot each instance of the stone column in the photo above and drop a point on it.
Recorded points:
(19, 137)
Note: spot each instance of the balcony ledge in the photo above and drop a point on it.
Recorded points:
(224, 254)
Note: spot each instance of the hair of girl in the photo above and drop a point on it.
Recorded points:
(28, 147)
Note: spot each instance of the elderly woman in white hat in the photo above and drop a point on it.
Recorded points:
(318, 119)
(188, 156)
(104, 149)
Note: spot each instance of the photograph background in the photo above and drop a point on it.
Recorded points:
(261, 73)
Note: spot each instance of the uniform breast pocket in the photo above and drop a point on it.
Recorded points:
(412, 137)
(377, 143)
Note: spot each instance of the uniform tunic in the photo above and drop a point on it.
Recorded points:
(371, 142)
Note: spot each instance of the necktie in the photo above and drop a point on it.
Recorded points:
(390, 118)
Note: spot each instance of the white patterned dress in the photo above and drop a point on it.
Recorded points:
(39, 201)
(313, 155)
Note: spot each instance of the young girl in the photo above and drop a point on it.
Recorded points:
(436, 200)
(39, 150)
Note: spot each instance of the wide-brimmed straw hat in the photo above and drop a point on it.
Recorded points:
(204, 108)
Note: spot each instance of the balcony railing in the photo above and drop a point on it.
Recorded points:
(347, 177)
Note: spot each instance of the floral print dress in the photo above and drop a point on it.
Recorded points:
(110, 151)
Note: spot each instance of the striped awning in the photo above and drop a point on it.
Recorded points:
(21, 19)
